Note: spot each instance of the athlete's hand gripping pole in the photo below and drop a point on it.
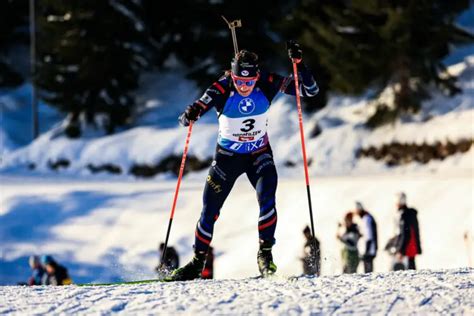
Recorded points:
(180, 176)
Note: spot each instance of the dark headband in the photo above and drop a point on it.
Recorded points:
(244, 69)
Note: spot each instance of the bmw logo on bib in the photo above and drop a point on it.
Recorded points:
(246, 106)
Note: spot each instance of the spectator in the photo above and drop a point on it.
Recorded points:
(391, 248)
(37, 271)
(171, 261)
(349, 237)
(208, 271)
(55, 274)
(408, 239)
(369, 237)
(311, 254)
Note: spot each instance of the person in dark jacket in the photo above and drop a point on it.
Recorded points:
(408, 240)
(349, 237)
(242, 98)
(171, 261)
(311, 254)
(37, 271)
(369, 237)
(55, 274)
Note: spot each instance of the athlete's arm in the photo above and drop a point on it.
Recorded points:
(272, 83)
(214, 96)
(307, 84)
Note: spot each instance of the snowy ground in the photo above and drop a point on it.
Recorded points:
(107, 230)
(423, 292)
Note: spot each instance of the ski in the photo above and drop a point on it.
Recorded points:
(272, 277)
(123, 283)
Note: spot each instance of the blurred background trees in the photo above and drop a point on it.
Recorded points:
(90, 56)
(91, 53)
(14, 32)
(373, 43)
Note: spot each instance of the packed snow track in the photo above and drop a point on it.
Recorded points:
(404, 292)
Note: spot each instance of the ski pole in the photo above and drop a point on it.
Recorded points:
(303, 146)
(181, 171)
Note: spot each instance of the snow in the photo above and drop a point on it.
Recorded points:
(15, 118)
(424, 292)
(106, 228)
(157, 134)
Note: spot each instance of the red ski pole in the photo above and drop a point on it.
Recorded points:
(181, 171)
(303, 146)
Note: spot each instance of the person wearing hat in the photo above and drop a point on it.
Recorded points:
(368, 230)
(37, 271)
(349, 235)
(56, 274)
(242, 98)
(311, 254)
(408, 243)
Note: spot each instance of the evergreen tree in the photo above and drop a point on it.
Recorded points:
(90, 57)
(195, 33)
(366, 43)
(14, 27)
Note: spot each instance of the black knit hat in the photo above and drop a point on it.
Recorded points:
(245, 64)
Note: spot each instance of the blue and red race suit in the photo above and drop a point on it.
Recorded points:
(243, 147)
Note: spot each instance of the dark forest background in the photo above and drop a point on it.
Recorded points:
(91, 53)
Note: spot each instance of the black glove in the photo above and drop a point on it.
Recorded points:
(294, 51)
(191, 113)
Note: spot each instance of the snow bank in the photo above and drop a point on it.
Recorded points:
(333, 152)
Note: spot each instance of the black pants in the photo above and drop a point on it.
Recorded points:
(368, 263)
(411, 263)
(226, 168)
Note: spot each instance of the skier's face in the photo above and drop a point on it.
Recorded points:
(50, 269)
(244, 86)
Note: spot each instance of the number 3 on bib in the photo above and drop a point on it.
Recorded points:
(249, 124)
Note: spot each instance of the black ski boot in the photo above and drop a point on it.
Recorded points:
(265, 259)
(190, 271)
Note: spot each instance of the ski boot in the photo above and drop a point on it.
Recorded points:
(265, 259)
(190, 271)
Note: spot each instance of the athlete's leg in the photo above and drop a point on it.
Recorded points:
(263, 176)
(225, 169)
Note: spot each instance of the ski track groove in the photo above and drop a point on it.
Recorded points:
(451, 299)
(392, 304)
(349, 298)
